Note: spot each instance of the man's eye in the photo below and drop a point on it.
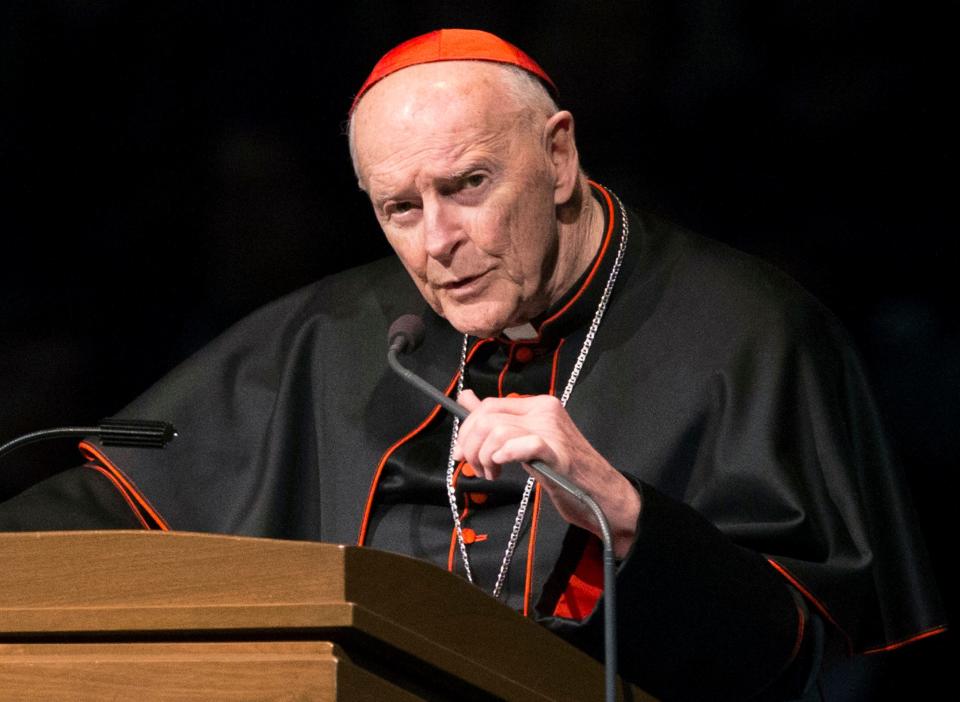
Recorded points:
(401, 207)
(474, 181)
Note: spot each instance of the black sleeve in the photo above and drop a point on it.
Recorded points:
(700, 617)
(78, 499)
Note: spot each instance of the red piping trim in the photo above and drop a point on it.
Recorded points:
(383, 460)
(909, 640)
(531, 551)
(109, 476)
(368, 510)
(95, 455)
(452, 555)
(554, 366)
(452, 558)
(824, 612)
(452, 551)
(801, 628)
(596, 264)
(826, 615)
(535, 517)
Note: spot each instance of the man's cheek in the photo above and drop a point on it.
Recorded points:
(413, 258)
(491, 232)
(433, 299)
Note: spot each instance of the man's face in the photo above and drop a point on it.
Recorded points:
(461, 183)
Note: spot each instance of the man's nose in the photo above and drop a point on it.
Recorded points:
(443, 230)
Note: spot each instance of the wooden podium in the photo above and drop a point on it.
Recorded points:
(176, 616)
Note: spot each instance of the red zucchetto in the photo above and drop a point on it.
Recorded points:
(452, 45)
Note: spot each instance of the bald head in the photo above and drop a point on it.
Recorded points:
(517, 91)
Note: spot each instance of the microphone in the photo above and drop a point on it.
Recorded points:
(406, 333)
(137, 433)
(404, 336)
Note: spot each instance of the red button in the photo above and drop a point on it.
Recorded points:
(468, 471)
(477, 498)
(524, 354)
(469, 536)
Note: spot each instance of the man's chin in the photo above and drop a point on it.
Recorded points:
(476, 320)
(481, 332)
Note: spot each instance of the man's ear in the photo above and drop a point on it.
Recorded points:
(562, 152)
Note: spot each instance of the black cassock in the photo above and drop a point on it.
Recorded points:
(773, 518)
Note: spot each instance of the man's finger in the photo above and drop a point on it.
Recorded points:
(524, 449)
(468, 399)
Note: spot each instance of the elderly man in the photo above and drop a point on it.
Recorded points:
(711, 407)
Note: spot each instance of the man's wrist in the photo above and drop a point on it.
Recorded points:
(627, 515)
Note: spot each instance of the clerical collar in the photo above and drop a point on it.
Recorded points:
(576, 307)
(525, 332)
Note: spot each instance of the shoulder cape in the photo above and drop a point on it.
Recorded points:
(715, 379)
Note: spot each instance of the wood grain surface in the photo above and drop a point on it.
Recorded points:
(393, 616)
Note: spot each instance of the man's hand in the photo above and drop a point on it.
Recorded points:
(523, 429)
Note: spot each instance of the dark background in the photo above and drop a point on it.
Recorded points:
(169, 166)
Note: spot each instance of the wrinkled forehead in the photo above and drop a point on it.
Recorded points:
(446, 106)
(430, 90)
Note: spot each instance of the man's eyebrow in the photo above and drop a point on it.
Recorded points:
(468, 169)
(382, 197)
(454, 176)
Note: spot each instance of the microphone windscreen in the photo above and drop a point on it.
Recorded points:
(410, 329)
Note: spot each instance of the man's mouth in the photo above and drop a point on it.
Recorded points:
(460, 282)
(465, 285)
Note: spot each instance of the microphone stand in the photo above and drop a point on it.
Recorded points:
(401, 343)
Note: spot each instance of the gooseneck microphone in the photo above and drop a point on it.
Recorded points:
(137, 433)
(406, 333)
(405, 336)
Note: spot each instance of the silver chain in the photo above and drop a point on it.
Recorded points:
(528, 488)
